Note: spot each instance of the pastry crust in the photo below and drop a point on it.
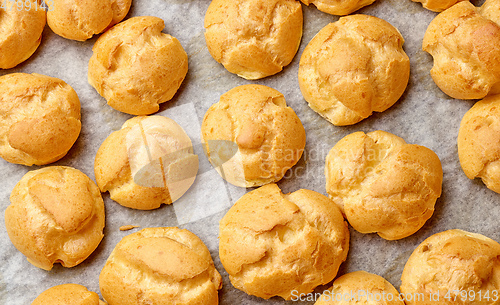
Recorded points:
(465, 43)
(18, 43)
(56, 215)
(136, 67)
(251, 136)
(253, 38)
(160, 266)
(437, 5)
(275, 244)
(360, 288)
(39, 118)
(382, 184)
(353, 67)
(147, 163)
(479, 142)
(338, 7)
(80, 20)
(68, 294)
(451, 262)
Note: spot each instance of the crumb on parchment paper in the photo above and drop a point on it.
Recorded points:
(128, 227)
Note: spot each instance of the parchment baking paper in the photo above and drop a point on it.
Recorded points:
(424, 115)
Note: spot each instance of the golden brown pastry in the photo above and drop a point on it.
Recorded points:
(39, 118)
(18, 43)
(68, 294)
(147, 163)
(360, 288)
(461, 267)
(160, 266)
(465, 43)
(437, 5)
(253, 38)
(80, 20)
(338, 7)
(251, 136)
(56, 215)
(136, 67)
(275, 244)
(478, 142)
(353, 67)
(383, 185)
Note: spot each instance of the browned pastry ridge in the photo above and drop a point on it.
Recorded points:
(18, 43)
(56, 215)
(275, 244)
(68, 294)
(450, 264)
(437, 5)
(464, 41)
(39, 118)
(160, 266)
(382, 184)
(253, 38)
(251, 136)
(136, 67)
(80, 20)
(353, 67)
(479, 142)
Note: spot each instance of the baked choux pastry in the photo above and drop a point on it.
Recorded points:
(275, 244)
(437, 5)
(160, 266)
(353, 67)
(80, 20)
(68, 294)
(453, 267)
(478, 142)
(383, 185)
(56, 215)
(136, 67)
(147, 163)
(464, 42)
(20, 31)
(338, 7)
(251, 136)
(253, 38)
(40, 118)
(360, 288)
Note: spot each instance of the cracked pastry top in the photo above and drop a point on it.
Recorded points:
(275, 244)
(453, 263)
(68, 294)
(353, 67)
(360, 288)
(251, 136)
(39, 118)
(147, 163)
(464, 41)
(253, 38)
(80, 20)
(478, 142)
(437, 5)
(136, 67)
(56, 215)
(383, 185)
(20, 31)
(160, 266)
(338, 7)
